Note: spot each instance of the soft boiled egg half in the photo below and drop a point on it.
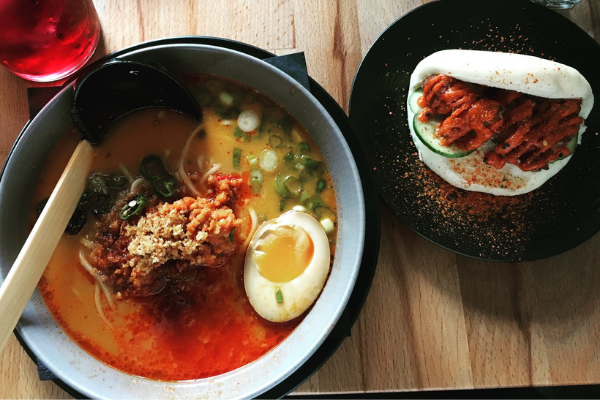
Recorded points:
(287, 263)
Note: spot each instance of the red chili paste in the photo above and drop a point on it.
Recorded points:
(529, 133)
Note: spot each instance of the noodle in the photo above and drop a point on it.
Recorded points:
(254, 219)
(135, 184)
(98, 302)
(126, 172)
(184, 153)
(211, 171)
(88, 267)
(87, 243)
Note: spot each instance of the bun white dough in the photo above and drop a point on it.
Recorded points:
(526, 74)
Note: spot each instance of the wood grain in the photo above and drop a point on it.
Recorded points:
(433, 320)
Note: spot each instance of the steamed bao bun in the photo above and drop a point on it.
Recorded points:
(526, 74)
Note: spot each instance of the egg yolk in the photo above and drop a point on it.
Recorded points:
(283, 253)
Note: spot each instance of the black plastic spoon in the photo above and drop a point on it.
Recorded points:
(104, 95)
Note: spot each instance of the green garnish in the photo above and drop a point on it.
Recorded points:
(279, 296)
(255, 179)
(275, 141)
(288, 157)
(304, 146)
(154, 171)
(312, 164)
(281, 205)
(232, 235)
(237, 132)
(237, 155)
(321, 185)
(133, 207)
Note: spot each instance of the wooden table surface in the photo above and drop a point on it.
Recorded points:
(433, 319)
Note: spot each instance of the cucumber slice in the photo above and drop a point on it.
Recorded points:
(425, 131)
(414, 100)
(571, 146)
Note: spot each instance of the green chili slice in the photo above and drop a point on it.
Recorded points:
(154, 171)
(133, 207)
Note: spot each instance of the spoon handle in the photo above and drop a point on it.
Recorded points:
(43, 239)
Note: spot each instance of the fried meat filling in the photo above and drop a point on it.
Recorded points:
(169, 241)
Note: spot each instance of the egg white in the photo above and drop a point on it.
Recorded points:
(299, 293)
(526, 74)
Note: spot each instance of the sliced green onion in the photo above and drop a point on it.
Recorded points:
(275, 141)
(305, 175)
(252, 159)
(293, 185)
(280, 187)
(248, 120)
(314, 202)
(282, 205)
(303, 197)
(279, 296)
(304, 146)
(232, 235)
(262, 217)
(324, 212)
(268, 160)
(312, 164)
(288, 186)
(226, 99)
(321, 183)
(133, 207)
(299, 208)
(237, 132)
(327, 225)
(255, 178)
(289, 157)
(237, 155)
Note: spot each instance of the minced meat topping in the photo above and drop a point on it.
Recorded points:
(138, 256)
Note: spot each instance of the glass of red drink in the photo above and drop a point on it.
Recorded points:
(47, 40)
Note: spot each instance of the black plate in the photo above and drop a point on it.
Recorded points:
(560, 215)
(372, 220)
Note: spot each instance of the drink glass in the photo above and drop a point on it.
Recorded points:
(562, 4)
(47, 40)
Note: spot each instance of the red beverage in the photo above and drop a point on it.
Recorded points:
(47, 40)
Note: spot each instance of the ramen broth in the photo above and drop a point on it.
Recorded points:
(218, 330)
